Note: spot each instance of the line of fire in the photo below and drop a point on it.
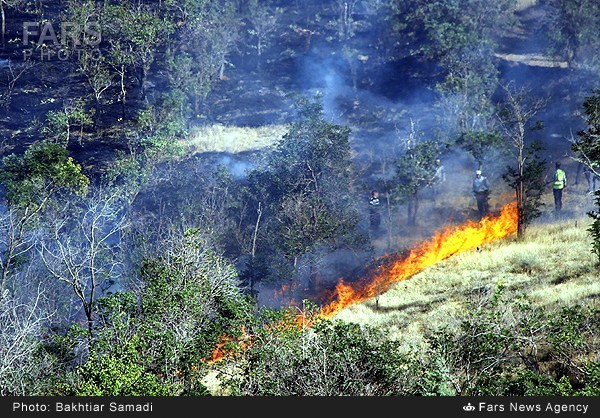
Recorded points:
(445, 243)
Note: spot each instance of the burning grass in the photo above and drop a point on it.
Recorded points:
(552, 265)
(444, 244)
(432, 286)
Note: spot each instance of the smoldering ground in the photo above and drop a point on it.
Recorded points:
(390, 106)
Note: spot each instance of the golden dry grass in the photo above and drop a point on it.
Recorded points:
(524, 4)
(232, 139)
(552, 265)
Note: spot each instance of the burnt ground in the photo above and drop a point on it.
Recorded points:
(386, 99)
(382, 104)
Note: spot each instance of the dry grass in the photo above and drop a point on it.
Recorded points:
(524, 4)
(552, 265)
(233, 139)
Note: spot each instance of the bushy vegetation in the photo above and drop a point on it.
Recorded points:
(132, 258)
(499, 347)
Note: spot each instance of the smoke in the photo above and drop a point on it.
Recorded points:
(237, 165)
(391, 105)
(322, 73)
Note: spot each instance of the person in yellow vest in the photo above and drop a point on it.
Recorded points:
(558, 186)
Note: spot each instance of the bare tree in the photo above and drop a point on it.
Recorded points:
(15, 72)
(17, 237)
(22, 325)
(84, 252)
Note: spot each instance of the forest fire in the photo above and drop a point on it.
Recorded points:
(444, 244)
(228, 345)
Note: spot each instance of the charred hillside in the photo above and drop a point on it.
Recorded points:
(369, 79)
(129, 85)
(188, 182)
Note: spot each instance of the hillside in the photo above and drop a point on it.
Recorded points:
(552, 266)
(550, 269)
(182, 183)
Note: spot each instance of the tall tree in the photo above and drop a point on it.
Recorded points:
(573, 28)
(414, 171)
(83, 247)
(197, 59)
(264, 18)
(305, 187)
(516, 112)
(587, 143)
(31, 180)
(23, 366)
(587, 151)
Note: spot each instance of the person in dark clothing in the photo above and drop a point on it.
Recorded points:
(374, 215)
(559, 183)
(481, 190)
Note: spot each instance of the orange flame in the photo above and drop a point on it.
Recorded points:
(228, 345)
(444, 244)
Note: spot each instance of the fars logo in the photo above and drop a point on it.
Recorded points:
(468, 407)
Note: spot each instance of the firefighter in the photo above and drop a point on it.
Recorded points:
(481, 191)
(374, 215)
(559, 183)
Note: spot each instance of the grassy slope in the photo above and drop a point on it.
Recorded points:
(552, 265)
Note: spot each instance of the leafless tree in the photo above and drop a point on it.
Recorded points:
(14, 73)
(84, 252)
(17, 238)
(22, 325)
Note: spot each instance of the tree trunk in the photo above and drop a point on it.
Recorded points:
(254, 236)
(3, 21)
(520, 194)
(389, 221)
(413, 207)
(123, 93)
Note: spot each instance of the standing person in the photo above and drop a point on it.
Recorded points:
(374, 215)
(438, 178)
(481, 190)
(559, 184)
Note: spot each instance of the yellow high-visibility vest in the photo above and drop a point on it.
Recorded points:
(560, 179)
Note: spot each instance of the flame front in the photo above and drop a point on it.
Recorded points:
(444, 244)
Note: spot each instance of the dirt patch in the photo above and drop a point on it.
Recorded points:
(533, 60)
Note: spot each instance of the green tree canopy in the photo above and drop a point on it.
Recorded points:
(306, 184)
(43, 170)
(573, 27)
